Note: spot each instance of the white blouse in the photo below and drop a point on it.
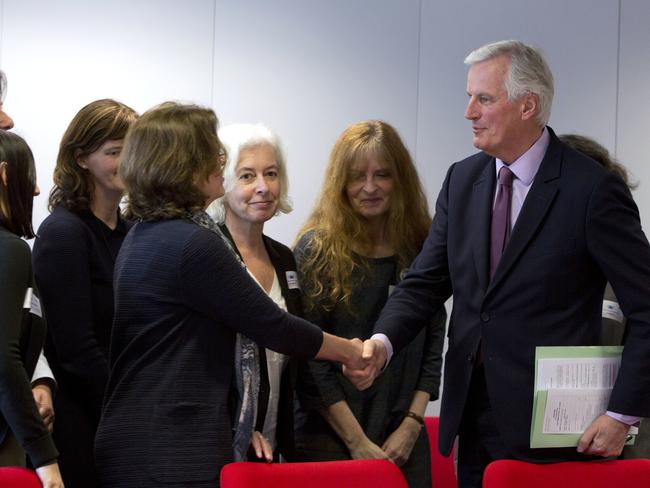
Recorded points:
(275, 364)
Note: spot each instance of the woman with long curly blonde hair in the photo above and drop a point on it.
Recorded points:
(368, 224)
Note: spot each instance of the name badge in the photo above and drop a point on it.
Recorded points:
(292, 280)
(611, 310)
(32, 303)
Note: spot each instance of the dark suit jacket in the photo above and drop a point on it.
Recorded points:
(614, 334)
(282, 260)
(577, 227)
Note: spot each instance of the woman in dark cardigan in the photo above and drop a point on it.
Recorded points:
(22, 328)
(74, 257)
(181, 298)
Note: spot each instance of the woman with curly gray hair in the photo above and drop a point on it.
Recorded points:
(256, 187)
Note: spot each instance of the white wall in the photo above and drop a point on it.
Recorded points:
(58, 56)
(633, 121)
(309, 69)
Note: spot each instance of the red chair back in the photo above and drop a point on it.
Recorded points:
(443, 473)
(12, 477)
(370, 473)
(587, 474)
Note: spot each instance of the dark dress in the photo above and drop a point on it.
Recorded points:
(379, 409)
(74, 257)
(180, 299)
(284, 263)
(22, 331)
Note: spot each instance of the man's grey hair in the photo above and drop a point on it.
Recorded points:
(236, 138)
(528, 73)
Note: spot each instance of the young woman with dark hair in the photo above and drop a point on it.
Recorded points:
(22, 328)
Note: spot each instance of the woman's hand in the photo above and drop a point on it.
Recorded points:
(364, 448)
(261, 447)
(50, 476)
(400, 443)
(43, 398)
(347, 427)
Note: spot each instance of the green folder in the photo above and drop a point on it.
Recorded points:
(537, 436)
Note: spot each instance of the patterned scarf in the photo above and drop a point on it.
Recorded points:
(247, 365)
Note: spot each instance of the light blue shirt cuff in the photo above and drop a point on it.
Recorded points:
(389, 347)
(626, 419)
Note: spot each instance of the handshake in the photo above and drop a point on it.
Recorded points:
(364, 362)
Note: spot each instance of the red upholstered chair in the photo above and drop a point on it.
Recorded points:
(443, 474)
(370, 473)
(11, 477)
(632, 473)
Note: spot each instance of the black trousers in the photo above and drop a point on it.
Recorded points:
(74, 436)
(479, 441)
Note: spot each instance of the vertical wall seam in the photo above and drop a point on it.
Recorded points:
(214, 52)
(2, 30)
(417, 82)
(618, 80)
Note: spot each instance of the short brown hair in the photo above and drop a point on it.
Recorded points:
(17, 196)
(165, 152)
(96, 123)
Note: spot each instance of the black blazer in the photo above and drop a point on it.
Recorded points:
(22, 332)
(283, 261)
(577, 227)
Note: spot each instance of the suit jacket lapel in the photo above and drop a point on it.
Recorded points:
(481, 208)
(537, 203)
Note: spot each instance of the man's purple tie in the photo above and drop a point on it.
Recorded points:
(501, 218)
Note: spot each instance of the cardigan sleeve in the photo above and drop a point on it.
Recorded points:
(215, 284)
(16, 400)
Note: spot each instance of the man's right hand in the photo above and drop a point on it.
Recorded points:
(374, 353)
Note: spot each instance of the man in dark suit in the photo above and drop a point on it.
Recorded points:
(526, 251)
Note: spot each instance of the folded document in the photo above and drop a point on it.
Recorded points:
(572, 388)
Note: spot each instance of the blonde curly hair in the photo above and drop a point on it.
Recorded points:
(334, 229)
